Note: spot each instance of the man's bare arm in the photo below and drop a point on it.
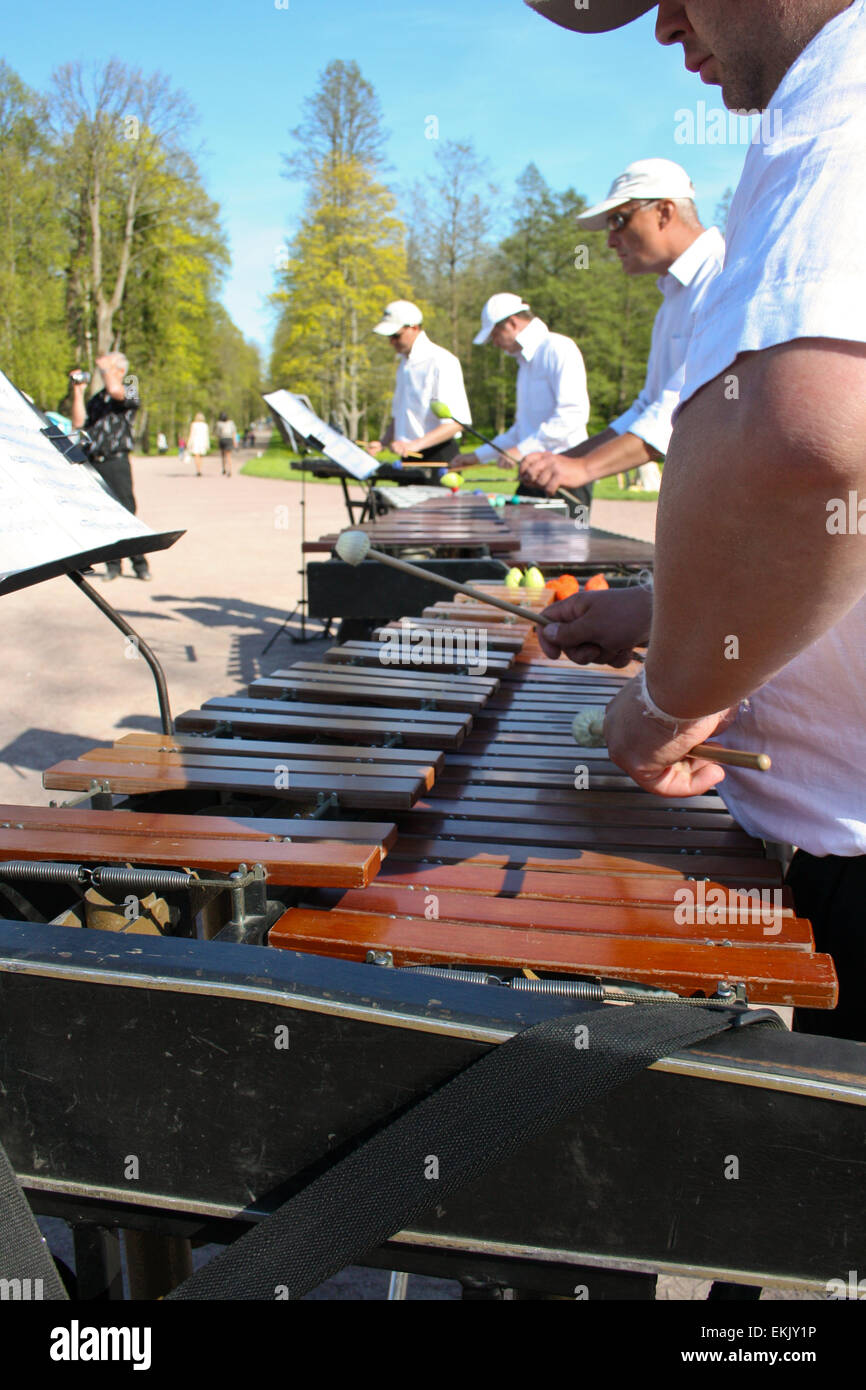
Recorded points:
(748, 571)
(439, 435)
(599, 457)
(77, 412)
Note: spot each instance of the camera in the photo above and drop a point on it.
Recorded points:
(79, 378)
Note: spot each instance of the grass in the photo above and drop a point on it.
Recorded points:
(276, 462)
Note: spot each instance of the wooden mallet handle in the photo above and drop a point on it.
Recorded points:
(732, 757)
(528, 614)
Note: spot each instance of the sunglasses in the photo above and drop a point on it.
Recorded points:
(618, 220)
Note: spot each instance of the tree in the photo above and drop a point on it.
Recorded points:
(35, 349)
(342, 123)
(347, 258)
(118, 130)
(453, 216)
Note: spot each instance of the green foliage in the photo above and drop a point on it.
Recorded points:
(34, 343)
(345, 262)
(577, 286)
(108, 240)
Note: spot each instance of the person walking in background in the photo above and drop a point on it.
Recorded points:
(198, 441)
(161, 443)
(227, 438)
(108, 421)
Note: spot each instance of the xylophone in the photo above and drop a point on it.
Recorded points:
(469, 541)
(519, 870)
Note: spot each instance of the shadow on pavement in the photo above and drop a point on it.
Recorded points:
(39, 748)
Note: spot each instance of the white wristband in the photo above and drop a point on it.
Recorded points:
(651, 709)
(667, 721)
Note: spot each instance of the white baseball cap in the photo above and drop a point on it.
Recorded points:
(646, 178)
(399, 314)
(497, 308)
(596, 18)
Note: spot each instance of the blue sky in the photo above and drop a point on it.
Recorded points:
(492, 71)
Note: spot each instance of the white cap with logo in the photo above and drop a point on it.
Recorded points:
(497, 308)
(399, 314)
(646, 178)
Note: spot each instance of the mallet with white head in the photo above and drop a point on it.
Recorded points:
(354, 547)
(443, 412)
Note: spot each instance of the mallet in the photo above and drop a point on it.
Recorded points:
(355, 546)
(443, 412)
(588, 730)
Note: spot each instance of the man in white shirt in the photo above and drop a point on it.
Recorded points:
(552, 400)
(760, 590)
(653, 226)
(425, 373)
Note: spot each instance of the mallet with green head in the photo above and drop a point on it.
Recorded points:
(443, 412)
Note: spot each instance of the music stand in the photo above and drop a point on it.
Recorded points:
(303, 431)
(57, 517)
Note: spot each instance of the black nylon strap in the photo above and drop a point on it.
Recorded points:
(23, 1252)
(511, 1095)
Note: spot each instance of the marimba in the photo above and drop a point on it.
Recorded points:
(505, 853)
(455, 523)
(464, 538)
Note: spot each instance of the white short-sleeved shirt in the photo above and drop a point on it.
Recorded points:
(795, 269)
(429, 373)
(684, 287)
(552, 398)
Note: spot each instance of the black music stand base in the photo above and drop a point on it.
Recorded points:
(298, 638)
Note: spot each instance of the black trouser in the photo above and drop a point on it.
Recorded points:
(583, 494)
(831, 893)
(440, 454)
(117, 474)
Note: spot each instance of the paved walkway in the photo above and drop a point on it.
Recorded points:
(216, 599)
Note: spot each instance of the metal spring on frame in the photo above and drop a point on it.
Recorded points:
(107, 876)
(39, 871)
(155, 880)
(469, 977)
(560, 989)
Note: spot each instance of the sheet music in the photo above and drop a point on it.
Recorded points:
(53, 511)
(338, 448)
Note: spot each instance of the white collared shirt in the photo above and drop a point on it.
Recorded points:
(552, 399)
(684, 287)
(429, 373)
(794, 269)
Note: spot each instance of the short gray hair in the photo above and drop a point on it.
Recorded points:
(687, 211)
